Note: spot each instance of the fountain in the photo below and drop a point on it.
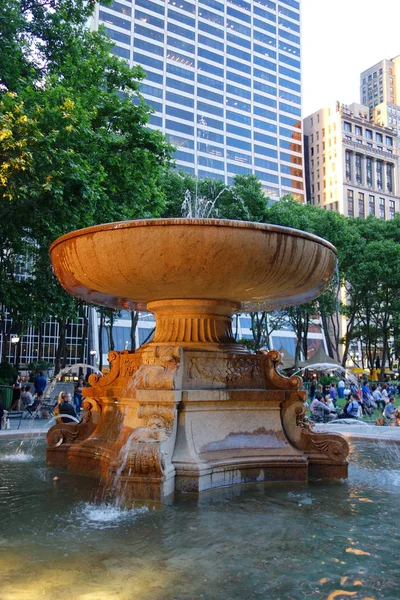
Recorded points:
(197, 410)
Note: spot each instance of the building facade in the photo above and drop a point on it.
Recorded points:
(380, 85)
(352, 163)
(223, 77)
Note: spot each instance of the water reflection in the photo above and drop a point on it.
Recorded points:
(317, 541)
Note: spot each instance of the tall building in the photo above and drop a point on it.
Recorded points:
(352, 163)
(379, 87)
(223, 77)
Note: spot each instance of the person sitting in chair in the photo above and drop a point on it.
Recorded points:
(26, 396)
(65, 407)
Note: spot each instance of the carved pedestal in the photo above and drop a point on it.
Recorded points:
(178, 417)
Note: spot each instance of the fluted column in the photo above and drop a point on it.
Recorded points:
(194, 323)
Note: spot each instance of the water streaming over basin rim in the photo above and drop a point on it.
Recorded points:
(318, 541)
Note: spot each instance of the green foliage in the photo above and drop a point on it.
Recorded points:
(35, 368)
(247, 343)
(75, 148)
(7, 373)
(327, 380)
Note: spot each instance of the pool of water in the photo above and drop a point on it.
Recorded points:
(316, 541)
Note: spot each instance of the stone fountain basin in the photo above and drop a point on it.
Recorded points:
(130, 263)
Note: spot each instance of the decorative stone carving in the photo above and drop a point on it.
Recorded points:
(96, 380)
(303, 436)
(275, 379)
(145, 456)
(59, 435)
(156, 415)
(160, 365)
(69, 433)
(231, 371)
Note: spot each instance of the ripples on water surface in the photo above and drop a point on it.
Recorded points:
(322, 541)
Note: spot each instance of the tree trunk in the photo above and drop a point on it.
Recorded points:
(5, 336)
(40, 342)
(134, 322)
(61, 345)
(84, 337)
(101, 328)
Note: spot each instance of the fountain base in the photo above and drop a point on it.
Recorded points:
(169, 419)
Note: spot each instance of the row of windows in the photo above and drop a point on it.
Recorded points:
(240, 143)
(154, 29)
(367, 133)
(238, 166)
(367, 171)
(206, 109)
(231, 90)
(385, 209)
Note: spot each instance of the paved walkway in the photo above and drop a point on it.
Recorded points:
(27, 428)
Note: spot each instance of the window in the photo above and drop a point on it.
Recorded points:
(358, 130)
(178, 99)
(391, 209)
(264, 87)
(238, 144)
(350, 203)
(178, 16)
(382, 212)
(348, 165)
(174, 70)
(389, 177)
(123, 52)
(173, 28)
(144, 45)
(379, 137)
(213, 83)
(177, 43)
(238, 130)
(119, 37)
(246, 120)
(180, 142)
(368, 164)
(213, 96)
(181, 127)
(179, 113)
(142, 59)
(358, 168)
(114, 20)
(379, 174)
(361, 205)
(209, 29)
(211, 163)
(389, 141)
(238, 156)
(347, 127)
(371, 204)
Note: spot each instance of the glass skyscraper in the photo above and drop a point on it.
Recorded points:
(223, 77)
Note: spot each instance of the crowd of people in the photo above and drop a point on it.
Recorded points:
(345, 400)
(30, 397)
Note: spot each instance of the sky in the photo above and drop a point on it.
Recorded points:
(340, 39)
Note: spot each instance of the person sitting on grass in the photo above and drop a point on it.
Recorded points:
(319, 409)
(351, 408)
(390, 409)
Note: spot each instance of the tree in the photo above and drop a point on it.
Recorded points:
(75, 149)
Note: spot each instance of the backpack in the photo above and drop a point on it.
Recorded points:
(346, 407)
